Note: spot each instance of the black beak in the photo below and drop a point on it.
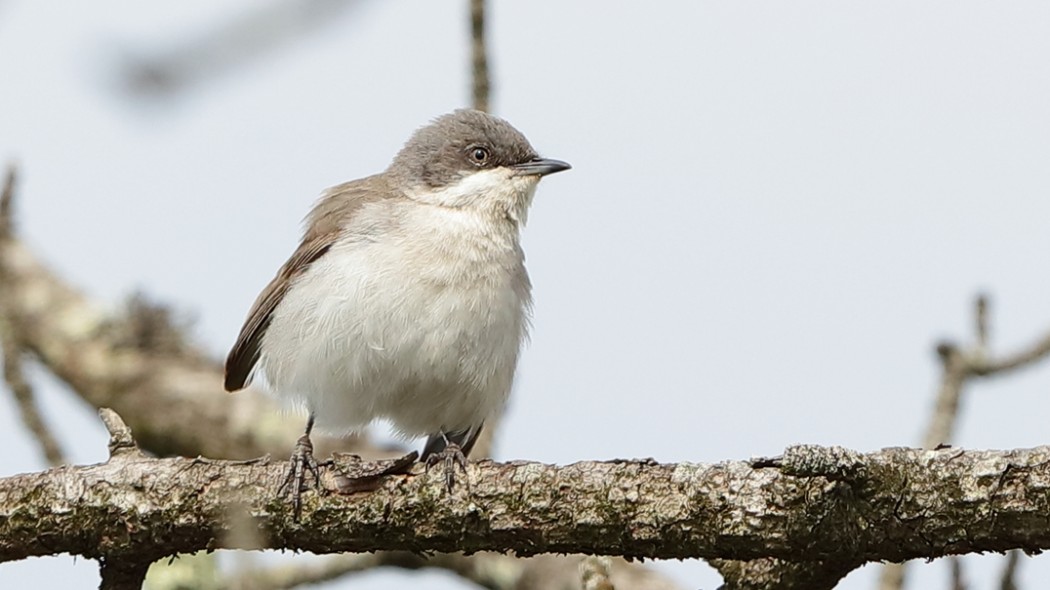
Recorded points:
(540, 167)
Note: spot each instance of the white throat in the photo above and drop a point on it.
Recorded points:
(498, 190)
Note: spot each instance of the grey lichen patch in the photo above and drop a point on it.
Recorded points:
(983, 479)
(534, 489)
(831, 462)
(528, 473)
(688, 473)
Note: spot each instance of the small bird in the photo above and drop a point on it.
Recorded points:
(407, 298)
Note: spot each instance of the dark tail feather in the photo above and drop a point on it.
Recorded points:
(464, 438)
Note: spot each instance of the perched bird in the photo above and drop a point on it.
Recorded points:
(407, 298)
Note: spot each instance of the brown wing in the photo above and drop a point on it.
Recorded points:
(245, 352)
(324, 224)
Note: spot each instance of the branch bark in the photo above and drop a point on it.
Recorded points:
(812, 504)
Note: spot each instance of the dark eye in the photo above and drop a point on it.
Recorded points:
(479, 155)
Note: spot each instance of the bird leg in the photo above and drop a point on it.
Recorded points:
(451, 456)
(301, 462)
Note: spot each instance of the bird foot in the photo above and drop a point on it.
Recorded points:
(451, 456)
(301, 462)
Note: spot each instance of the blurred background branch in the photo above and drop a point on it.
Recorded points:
(244, 39)
(479, 56)
(11, 347)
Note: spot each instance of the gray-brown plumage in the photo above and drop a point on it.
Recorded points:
(407, 298)
(329, 215)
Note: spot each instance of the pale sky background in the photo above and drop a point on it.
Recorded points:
(776, 209)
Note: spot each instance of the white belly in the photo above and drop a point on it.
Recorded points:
(378, 329)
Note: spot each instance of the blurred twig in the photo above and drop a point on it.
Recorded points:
(12, 349)
(7, 195)
(25, 397)
(479, 56)
(232, 44)
(1007, 580)
(958, 579)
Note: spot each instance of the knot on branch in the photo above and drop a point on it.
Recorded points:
(834, 463)
(120, 440)
(946, 350)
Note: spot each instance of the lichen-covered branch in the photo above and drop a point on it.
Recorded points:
(812, 504)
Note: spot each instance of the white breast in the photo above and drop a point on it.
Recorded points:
(420, 323)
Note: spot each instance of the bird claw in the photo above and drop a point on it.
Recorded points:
(301, 462)
(451, 456)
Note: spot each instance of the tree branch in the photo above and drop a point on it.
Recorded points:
(812, 504)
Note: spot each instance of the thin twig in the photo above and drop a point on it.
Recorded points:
(946, 408)
(1018, 360)
(958, 579)
(246, 38)
(479, 56)
(12, 348)
(981, 321)
(25, 397)
(1008, 580)
(7, 195)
